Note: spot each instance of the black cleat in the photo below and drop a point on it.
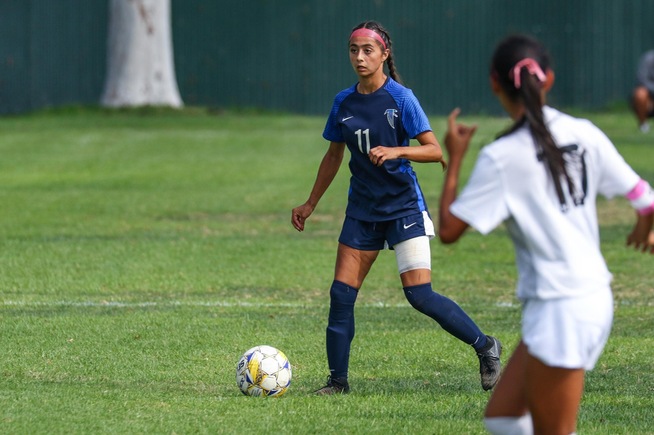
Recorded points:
(489, 364)
(334, 386)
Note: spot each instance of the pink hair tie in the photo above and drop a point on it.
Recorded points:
(368, 34)
(533, 68)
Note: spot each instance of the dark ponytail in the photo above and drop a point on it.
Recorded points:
(509, 55)
(381, 31)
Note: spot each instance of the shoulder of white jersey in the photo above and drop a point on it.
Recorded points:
(567, 128)
(555, 117)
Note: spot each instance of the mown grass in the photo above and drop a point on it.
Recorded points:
(142, 251)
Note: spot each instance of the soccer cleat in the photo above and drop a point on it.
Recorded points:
(489, 364)
(644, 127)
(334, 386)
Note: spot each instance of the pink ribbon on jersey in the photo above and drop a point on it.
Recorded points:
(637, 191)
(533, 68)
(368, 34)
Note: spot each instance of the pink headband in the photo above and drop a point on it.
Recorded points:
(368, 34)
(533, 68)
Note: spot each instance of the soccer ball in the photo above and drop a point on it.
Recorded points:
(263, 371)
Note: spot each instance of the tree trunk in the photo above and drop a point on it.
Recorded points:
(140, 67)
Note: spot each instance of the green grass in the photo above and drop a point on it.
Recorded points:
(141, 252)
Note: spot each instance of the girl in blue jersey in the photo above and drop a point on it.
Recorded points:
(541, 179)
(375, 119)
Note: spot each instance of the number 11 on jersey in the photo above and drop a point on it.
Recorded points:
(361, 134)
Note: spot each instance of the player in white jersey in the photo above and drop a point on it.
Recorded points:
(541, 179)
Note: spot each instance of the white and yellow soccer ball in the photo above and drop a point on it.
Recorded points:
(263, 371)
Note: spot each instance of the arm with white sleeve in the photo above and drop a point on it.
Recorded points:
(618, 178)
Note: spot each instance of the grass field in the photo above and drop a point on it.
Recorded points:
(141, 252)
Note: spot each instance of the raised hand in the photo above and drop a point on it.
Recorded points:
(457, 137)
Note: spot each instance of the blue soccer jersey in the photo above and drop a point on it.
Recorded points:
(390, 117)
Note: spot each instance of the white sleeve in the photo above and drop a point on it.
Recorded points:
(482, 202)
(616, 177)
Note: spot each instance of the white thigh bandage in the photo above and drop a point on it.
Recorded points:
(413, 254)
(509, 425)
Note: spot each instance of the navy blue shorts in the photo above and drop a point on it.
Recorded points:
(375, 236)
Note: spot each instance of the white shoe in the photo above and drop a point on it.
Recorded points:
(644, 127)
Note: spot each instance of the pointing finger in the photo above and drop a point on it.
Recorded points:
(451, 119)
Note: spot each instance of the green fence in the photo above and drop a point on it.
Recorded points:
(292, 55)
(52, 52)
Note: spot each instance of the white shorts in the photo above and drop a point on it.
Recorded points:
(568, 332)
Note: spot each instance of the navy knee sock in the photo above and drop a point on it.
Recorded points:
(447, 313)
(340, 328)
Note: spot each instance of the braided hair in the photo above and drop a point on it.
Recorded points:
(528, 58)
(381, 31)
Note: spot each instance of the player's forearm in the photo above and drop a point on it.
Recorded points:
(327, 171)
(427, 153)
(450, 228)
(429, 150)
(450, 186)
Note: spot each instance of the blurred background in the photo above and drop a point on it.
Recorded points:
(291, 56)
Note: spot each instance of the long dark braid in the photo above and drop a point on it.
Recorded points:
(507, 54)
(381, 31)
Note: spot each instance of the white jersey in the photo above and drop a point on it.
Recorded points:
(557, 252)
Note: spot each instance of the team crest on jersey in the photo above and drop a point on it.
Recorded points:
(391, 114)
